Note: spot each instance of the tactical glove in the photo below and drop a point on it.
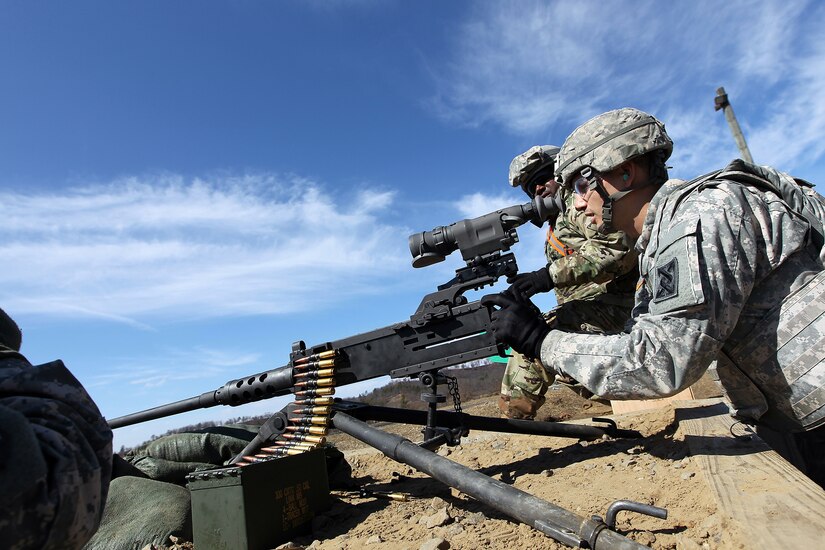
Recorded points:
(517, 323)
(528, 284)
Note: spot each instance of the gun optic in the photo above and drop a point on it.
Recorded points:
(481, 236)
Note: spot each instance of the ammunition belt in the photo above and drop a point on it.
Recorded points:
(309, 414)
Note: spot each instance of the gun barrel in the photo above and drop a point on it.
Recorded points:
(235, 392)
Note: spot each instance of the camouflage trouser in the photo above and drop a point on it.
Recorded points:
(525, 381)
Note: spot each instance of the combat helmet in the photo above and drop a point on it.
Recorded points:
(610, 139)
(531, 166)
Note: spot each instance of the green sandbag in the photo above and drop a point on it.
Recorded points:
(142, 511)
(215, 446)
(171, 457)
(169, 471)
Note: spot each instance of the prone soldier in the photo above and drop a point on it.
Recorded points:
(731, 268)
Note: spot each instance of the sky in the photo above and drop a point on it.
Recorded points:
(187, 188)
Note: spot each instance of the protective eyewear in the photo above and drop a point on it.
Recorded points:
(584, 183)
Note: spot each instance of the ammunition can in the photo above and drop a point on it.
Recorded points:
(259, 506)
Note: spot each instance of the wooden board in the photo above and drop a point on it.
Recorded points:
(621, 407)
(777, 505)
(706, 387)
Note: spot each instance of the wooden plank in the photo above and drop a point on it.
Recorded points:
(777, 505)
(706, 387)
(621, 407)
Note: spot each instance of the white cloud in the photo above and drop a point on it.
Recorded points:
(206, 247)
(478, 204)
(537, 69)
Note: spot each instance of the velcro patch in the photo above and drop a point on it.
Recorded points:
(667, 281)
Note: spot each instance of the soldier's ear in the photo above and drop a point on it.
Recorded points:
(629, 173)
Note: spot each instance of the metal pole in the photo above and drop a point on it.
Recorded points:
(721, 102)
(555, 522)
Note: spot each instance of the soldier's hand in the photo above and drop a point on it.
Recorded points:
(528, 284)
(517, 323)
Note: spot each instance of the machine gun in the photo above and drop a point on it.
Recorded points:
(445, 330)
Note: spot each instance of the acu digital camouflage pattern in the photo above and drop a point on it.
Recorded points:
(606, 141)
(55, 457)
(730, 273)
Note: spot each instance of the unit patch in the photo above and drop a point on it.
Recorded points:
(667, 281)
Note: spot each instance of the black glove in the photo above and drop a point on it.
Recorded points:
(517, 323)
(528, 284)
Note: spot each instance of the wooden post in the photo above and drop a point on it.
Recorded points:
(722, 103)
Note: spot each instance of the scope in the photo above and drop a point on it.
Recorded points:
(481, 236)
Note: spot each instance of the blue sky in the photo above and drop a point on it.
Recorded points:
(187, 188)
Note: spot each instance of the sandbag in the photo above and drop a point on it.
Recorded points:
(142, 511)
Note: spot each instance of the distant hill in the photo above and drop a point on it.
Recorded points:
(475, 379)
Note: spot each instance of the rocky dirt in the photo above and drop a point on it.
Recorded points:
(583, 477)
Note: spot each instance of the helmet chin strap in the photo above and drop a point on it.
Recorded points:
(608, 200)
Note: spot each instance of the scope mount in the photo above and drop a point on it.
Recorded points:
(478, 273)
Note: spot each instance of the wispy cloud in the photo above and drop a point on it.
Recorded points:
(193, 248)
(538, 68)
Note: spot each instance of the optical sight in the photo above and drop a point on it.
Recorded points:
(481, 236)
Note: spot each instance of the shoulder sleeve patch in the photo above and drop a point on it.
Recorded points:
(677, 272)
(667, 280)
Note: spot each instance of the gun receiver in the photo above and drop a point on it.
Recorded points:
(446, 329)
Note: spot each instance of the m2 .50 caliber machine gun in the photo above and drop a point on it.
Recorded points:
(445, 330)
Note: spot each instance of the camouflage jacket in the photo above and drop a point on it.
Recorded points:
(728, 271)
(593, 266)
(55, 456)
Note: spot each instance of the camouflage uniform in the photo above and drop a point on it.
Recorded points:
(731, 267)
(594, 278)
(729, 271)
(55, 455)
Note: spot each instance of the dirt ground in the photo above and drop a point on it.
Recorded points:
(582, 477)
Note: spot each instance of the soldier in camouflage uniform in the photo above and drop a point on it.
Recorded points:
(55, 453)
(593, 274)
(731, 269)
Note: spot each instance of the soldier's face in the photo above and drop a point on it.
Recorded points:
(589, 200)
(590, 203)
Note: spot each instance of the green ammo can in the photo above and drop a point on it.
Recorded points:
(258, 506)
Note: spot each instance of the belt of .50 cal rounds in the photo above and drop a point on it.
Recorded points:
(309, 418)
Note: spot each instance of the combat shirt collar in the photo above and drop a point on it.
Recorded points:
(655, 205)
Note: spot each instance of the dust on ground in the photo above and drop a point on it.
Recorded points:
(582, 477)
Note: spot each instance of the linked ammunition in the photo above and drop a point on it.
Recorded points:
(315, 392)
(281, 445)
(304, 437)
(312, 410)
(304, 420)
(316, 357)
(314, 401)
(312, 430)
(320, 373)
(328, 363)
(315, 383)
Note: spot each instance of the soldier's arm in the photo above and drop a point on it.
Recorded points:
(55, 457)
(694, 292)
(598, 258)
